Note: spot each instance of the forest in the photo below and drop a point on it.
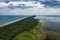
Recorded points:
(8, 32)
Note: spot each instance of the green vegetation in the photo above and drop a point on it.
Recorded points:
(26, 29)
(52, 35)
(34, 34)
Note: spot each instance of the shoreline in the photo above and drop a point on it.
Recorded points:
(12, 22)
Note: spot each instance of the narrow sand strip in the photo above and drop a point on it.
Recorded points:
(12, 22)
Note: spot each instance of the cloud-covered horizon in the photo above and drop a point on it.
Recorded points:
(29, 7)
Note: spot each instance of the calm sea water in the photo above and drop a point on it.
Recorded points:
(8, 18)
(50, 23)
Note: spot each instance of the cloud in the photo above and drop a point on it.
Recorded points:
(51, 3)
(21, 5)
(30, 7)
(31, 11)
(19, 0)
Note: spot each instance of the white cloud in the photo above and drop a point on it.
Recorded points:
(38, 9)
(57, 0)
(32, 11)
(2, 4)
(30, 3)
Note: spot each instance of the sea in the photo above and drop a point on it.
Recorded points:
(8, 18)
(49, 22)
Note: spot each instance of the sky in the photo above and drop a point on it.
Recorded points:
(29, 7)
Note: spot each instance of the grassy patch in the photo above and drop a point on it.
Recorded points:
(34, 34)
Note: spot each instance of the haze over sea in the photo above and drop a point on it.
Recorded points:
(49, 22)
